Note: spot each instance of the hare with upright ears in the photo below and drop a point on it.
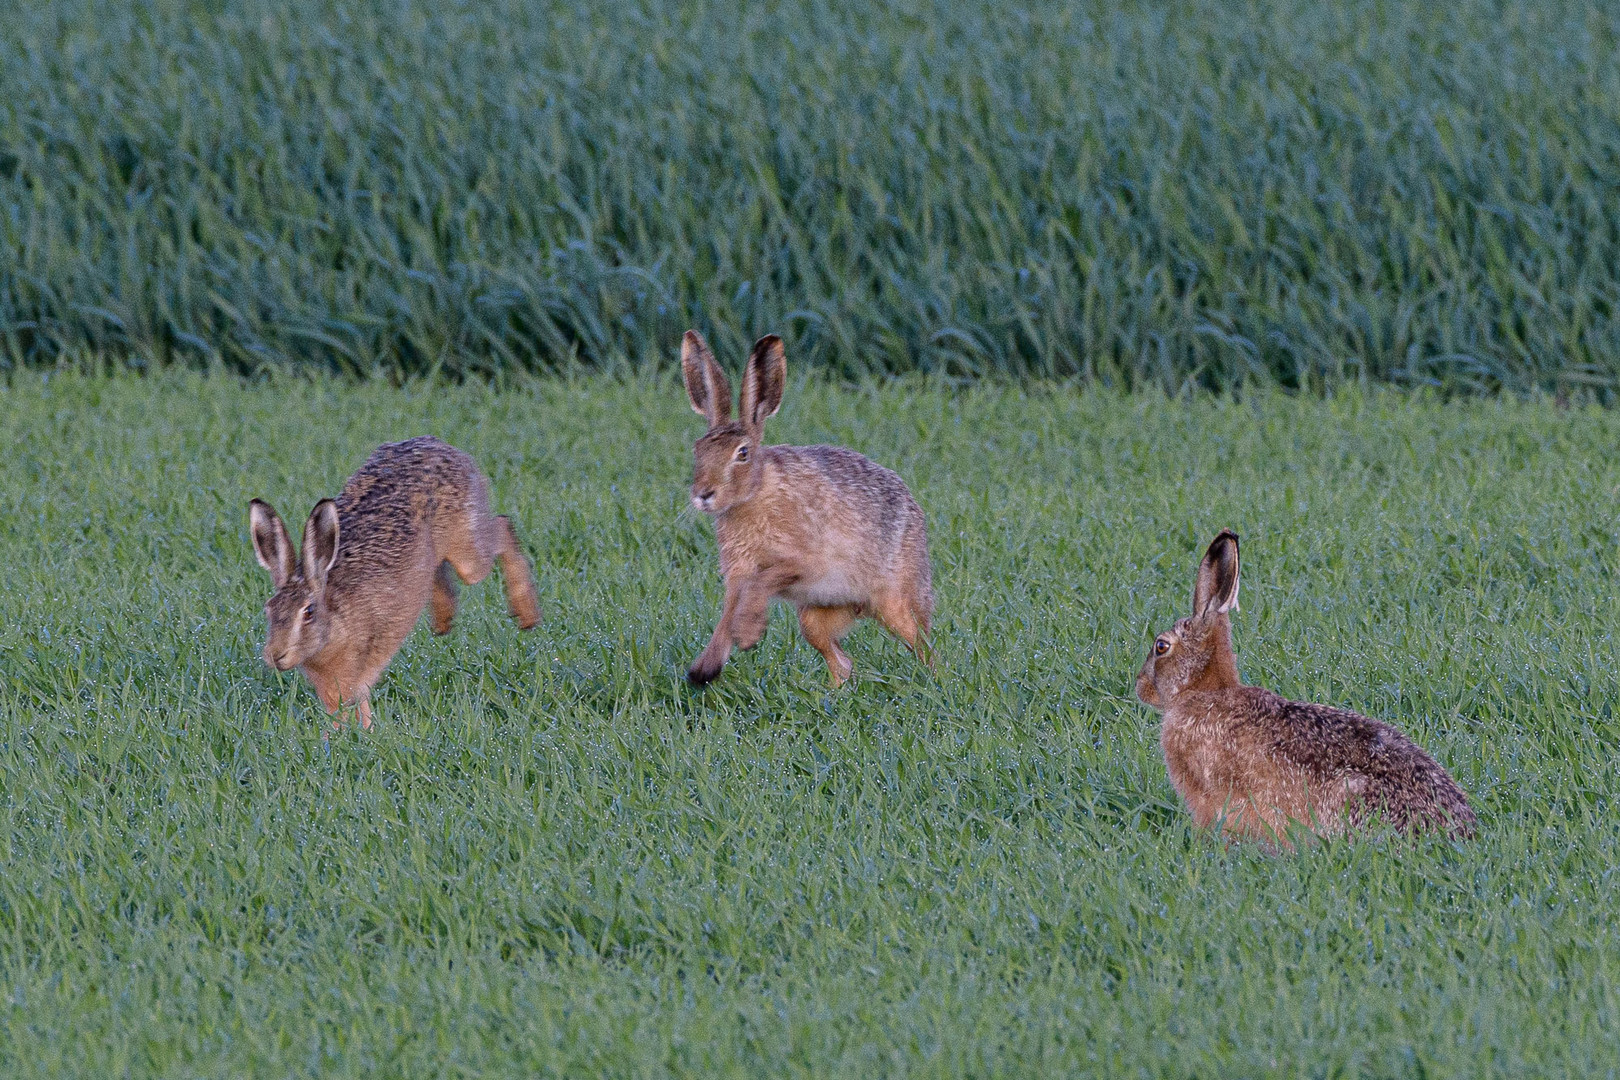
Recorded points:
(832, 533)
(412, 520)
(1255, 761)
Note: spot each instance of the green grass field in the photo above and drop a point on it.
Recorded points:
(1211, 192)
(552, 857)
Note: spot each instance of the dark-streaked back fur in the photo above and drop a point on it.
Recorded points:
(384, 507)
(1380, 772)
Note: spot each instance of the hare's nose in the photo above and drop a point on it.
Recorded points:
(705, 496)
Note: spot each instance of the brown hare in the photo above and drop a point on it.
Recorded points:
(1255, 761)
(412, 520)
(832, 533)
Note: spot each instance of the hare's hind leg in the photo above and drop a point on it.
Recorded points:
(823, 627)
(473, 556)
(444, 597)
(901, 617)
(517, 574)
(906, 605)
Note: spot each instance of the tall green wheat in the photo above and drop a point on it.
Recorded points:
(1203, 192)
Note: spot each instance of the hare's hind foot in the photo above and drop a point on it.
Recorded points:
(839, 668)
(705, 669)
(822, 628)
(924, 650)
(518, 576)
(899, 616)
(444, 598)
(522, 603)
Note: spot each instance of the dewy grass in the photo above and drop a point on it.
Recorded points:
(1197, 192)
(552, 857)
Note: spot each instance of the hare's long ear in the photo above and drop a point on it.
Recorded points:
(763, 381)
(706, 384)
(320, 542)
(271, 544)
(1217, 588)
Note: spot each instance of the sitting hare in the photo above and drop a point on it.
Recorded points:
(838, 537)
(412, 520)
(1257, 762)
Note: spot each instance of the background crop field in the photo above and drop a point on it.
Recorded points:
(552, 857)
(1201, 191)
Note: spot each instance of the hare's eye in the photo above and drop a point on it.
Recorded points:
(1161, 647)
(309, 612)
(742, 452)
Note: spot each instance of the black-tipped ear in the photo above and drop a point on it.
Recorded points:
(1217, 588)
(320, 542)
(706, 385)
(271, 544)
(763, 381)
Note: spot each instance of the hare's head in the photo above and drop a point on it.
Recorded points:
(727, 465)
(297, 612)
(1196, 653)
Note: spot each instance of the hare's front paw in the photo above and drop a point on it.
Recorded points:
(704, 671)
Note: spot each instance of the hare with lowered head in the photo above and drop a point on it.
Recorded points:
(832, 533)
(412, 520)
(1257, 762)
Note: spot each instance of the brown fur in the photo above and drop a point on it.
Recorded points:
(827, 530)
(1257, 763)
(412, 521)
